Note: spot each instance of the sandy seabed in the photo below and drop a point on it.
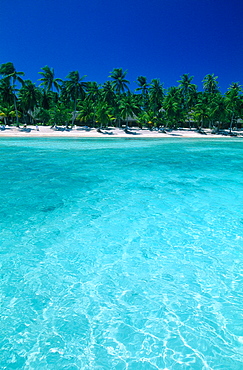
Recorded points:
(47, 131)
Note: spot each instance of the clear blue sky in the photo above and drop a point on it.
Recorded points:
(154, 38)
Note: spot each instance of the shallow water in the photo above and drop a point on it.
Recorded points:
(121, 254)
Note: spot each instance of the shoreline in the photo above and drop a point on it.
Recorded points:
(79, 132)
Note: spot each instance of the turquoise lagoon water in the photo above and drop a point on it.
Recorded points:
(121, 254)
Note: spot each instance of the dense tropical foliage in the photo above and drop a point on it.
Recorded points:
(76, 101)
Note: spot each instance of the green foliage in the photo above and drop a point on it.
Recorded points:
(120, 84)
(104, 114)
(74, 89)
(60, 115)
(173, 106)
(234, 103)
(29, 96)
(43, 115)
(6, 92)
(147, 119)
(9, 73)
(61, 102)
(156, 95)
(7, 113)
(210, 84)
(48, 79)
(128, 107)
(86, 111)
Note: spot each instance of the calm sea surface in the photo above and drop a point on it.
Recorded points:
(121, 254)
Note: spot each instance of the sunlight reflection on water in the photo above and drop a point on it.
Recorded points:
(121, 254)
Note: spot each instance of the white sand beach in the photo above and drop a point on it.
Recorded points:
(47, 131)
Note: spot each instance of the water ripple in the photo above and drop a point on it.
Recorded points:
(126, 267)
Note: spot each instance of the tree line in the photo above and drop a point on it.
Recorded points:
(76, 101)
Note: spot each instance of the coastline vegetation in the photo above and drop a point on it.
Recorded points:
(86, 103)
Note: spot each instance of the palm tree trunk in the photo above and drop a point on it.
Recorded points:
(15, 104)
(202, 124)
(74, 112)
(16, 111)
(231, 122)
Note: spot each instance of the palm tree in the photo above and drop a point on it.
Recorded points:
(93, 96)
(29, 97)
(9, 72)
(47, 99)
(86, 111)
(104, 114)
(75, 88)
(6, 92)
(128, 107)
(42, 114)
(211, 89)
(143, 86)
(187, 90)
(119, 82)
(201, 110)
(60, 115)
(210, 84)
(233, 102)
(148, 119)
(156, 95)
(108, 96)
(92, 90)
(216, 111)
(48, 80)
(7, 112)
(173, 106)
(107, 93)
